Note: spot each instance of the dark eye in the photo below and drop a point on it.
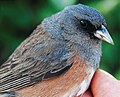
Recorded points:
(83, 23)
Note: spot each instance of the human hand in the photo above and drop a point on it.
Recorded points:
(103, 85)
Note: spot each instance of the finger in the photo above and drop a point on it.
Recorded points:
(105, 85)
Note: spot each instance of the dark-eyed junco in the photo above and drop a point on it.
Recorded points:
(59, 58)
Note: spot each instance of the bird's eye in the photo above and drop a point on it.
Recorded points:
(83, 23)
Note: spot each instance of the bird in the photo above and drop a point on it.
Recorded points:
(60, 56)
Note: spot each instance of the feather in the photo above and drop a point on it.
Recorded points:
(34, 60)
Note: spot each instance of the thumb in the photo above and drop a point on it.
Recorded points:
(105, 85)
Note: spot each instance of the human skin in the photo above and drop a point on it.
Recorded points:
(103, 85)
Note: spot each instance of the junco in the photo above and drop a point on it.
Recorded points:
(59, 58)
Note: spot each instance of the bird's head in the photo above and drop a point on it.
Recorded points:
(78, 23)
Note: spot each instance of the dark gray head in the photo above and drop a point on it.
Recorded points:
(81, 25)
(79, 21)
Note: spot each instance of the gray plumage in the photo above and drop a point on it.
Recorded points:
(50, 49)
(65, 26)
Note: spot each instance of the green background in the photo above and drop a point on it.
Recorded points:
(18, 18)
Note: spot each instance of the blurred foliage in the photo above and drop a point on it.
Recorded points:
(18, 18)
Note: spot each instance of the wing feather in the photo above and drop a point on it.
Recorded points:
(38, 57)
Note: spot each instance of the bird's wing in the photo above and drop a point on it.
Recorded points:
(39, 57)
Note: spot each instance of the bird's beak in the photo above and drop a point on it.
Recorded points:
(103, 34)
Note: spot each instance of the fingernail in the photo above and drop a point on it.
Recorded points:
(108, 74)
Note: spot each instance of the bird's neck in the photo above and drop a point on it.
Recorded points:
(90, 53)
